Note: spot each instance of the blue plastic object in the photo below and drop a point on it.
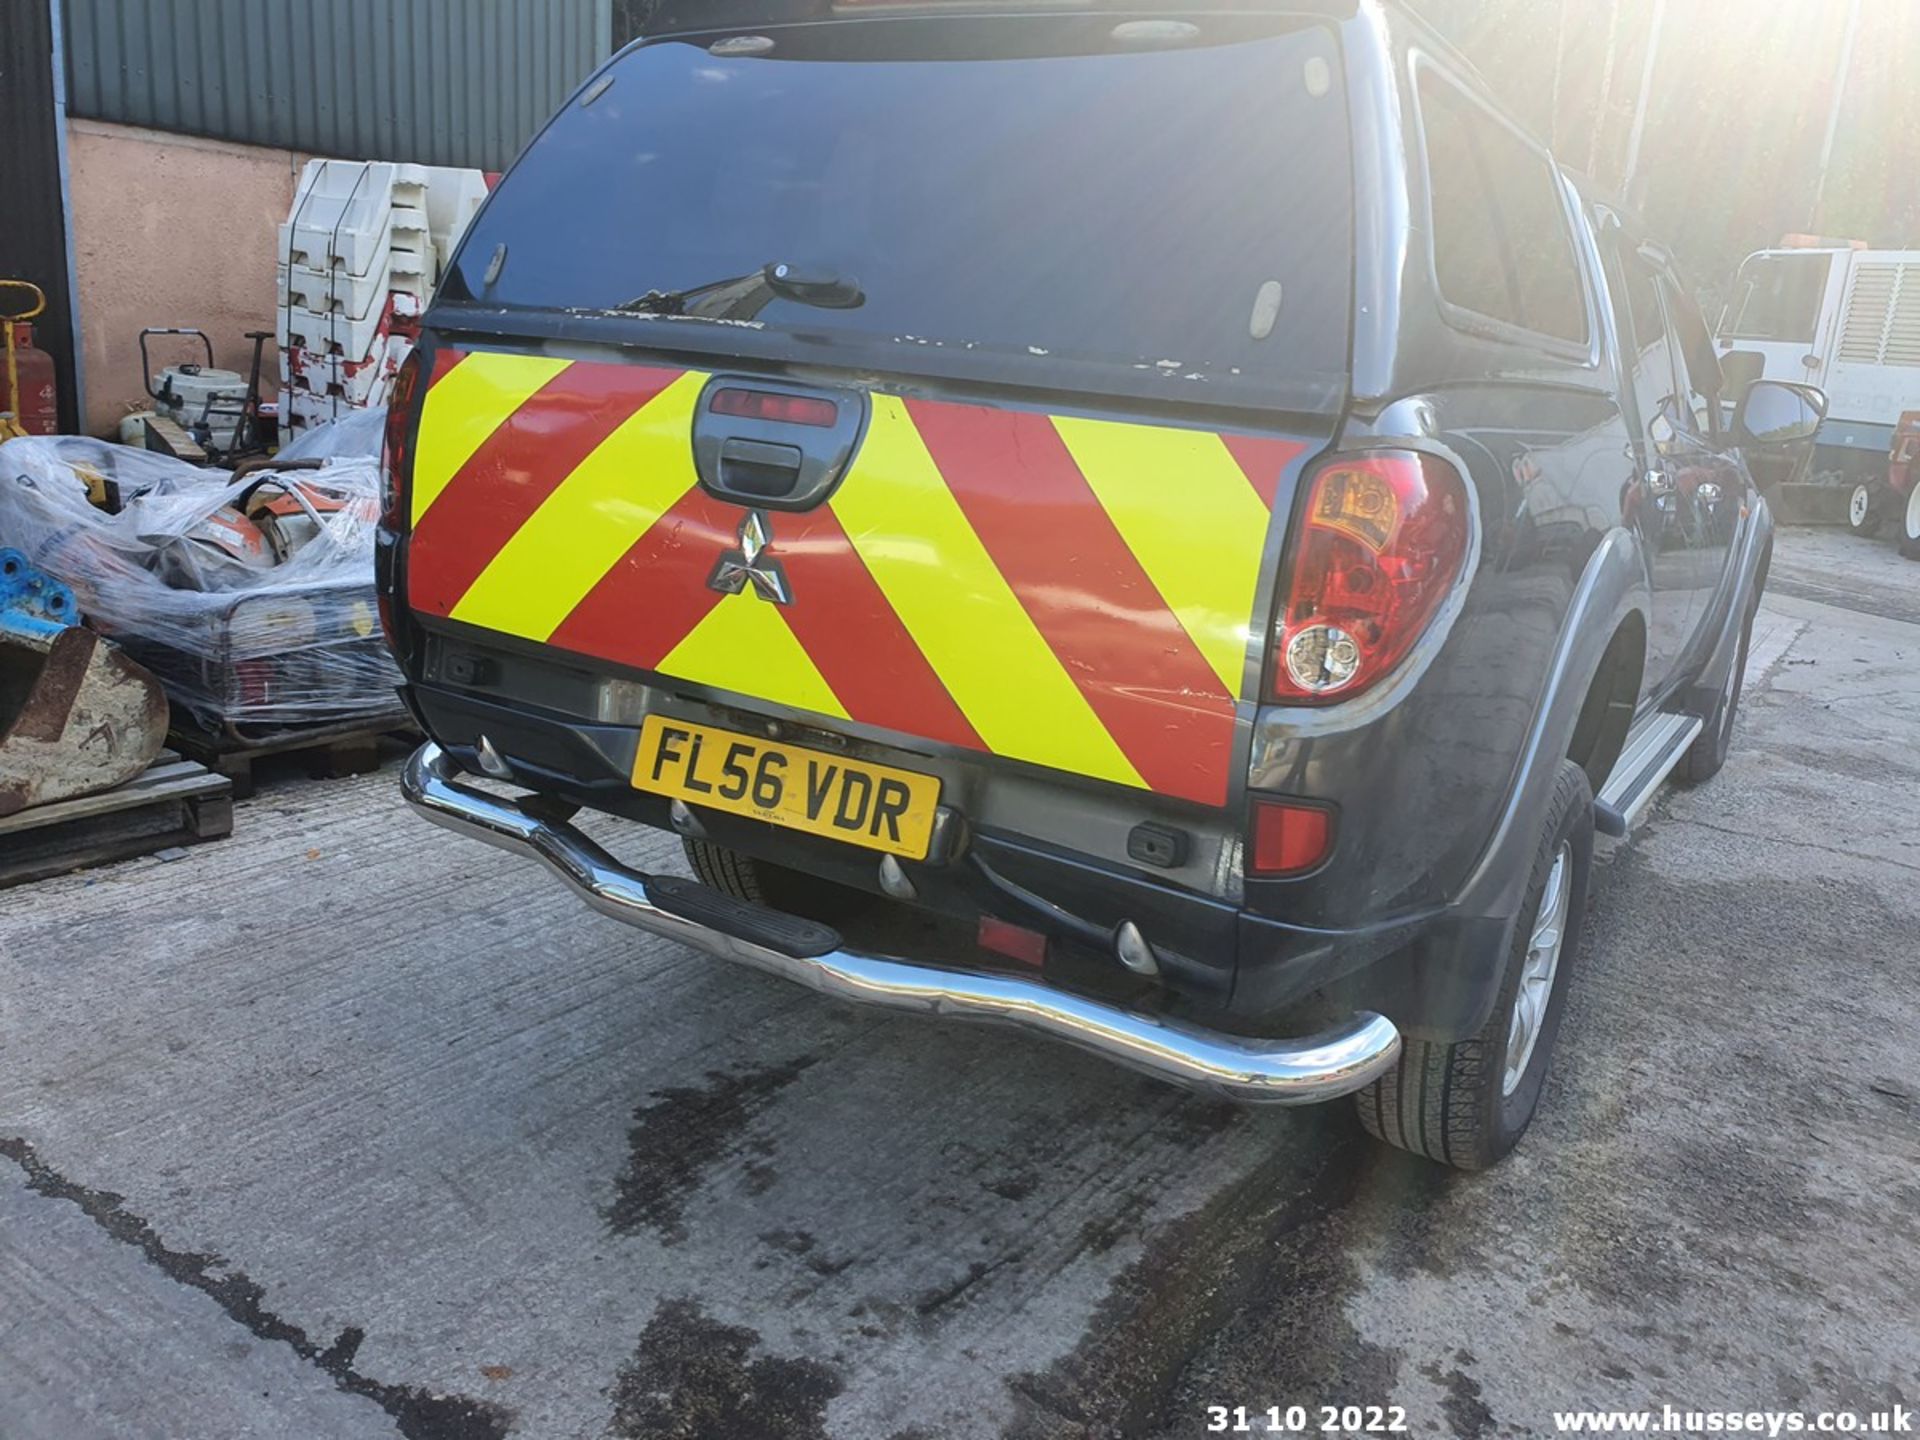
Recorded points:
(33, 604)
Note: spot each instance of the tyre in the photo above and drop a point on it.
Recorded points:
(1467, 1104)
(1910, 538)
(761, 882)
(1709, 752)
(1866, 508)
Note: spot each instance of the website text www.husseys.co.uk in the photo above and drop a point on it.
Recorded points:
(1671, 1420)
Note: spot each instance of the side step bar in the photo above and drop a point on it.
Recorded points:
(1335, 1062)
(1642, 768)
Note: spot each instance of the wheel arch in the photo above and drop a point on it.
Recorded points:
(1606, 712)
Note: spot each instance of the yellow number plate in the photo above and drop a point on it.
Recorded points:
(852, 800)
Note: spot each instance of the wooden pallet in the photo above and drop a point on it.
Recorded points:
(175, 802)
(329, 751)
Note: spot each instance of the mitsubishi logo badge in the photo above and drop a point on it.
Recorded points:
(751, 564)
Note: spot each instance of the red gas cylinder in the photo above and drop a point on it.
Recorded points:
(38, 406)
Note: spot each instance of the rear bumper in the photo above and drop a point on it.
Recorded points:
(1284, 1072)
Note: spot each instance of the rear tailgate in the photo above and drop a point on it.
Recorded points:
(1090, 293)
(1076, 593)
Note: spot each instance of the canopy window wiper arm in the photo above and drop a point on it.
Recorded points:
(678, 302)
(741, 297)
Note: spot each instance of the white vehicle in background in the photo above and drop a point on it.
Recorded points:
(1844, 318)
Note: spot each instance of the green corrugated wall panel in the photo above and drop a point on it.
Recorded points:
(439, 82)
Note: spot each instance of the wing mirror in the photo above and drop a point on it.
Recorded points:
(1775, 413)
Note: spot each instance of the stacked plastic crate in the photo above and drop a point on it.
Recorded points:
(360, 253)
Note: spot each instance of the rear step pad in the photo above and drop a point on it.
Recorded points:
(1646, 762)
(702, 904)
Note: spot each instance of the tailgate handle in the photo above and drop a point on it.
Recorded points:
(775, 444)
(758, 468)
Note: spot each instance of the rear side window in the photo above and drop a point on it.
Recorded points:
(1777, 297)
(1501, 245)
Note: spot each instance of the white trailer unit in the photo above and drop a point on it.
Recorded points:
(1847, 320)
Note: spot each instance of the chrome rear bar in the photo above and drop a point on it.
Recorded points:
(1275, 1072)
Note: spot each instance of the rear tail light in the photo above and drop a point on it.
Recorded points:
(395, 456)
(1290, 837)
(1384, 538)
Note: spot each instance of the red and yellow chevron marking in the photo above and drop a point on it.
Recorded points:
(1074, 593)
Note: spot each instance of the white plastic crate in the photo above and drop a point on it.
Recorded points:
(339, 334)
(340, 211)
(302, 410)
(364, 386)
(453, 198)
(335, 292)
(356, 253)
(342, 215)
(355, 381)
(360, 253)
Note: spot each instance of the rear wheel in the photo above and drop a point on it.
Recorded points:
(1910, 541)
(1467, 1104)
(760, 882)
(1866, 508)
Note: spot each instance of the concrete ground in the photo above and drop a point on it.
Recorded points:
(1830, 565)
(346, 1127)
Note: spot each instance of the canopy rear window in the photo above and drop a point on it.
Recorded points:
(1063, 207)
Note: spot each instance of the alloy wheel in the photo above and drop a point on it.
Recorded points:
(1542, 963)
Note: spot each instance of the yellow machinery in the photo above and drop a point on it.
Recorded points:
(16, 411)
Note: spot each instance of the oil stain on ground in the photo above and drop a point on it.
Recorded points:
(418, 1414)
(693, 1378)
(1244, 1297)
(682, 1132)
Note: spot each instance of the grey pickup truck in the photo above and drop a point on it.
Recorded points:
(1191, 501)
